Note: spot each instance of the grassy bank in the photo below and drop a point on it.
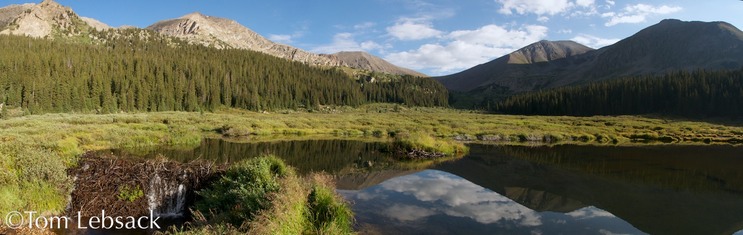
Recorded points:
(36, 150)
(264, 196)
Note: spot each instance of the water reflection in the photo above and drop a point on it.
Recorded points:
(659, 189)
(332, 156)
(437, 202)
(521, 190)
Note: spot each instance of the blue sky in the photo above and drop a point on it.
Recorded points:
(436, 37)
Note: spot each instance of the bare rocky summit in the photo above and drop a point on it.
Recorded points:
(49, 19)
(97, 25)
(43, 19)
(366, 61)
(9, 13)
(225, 33)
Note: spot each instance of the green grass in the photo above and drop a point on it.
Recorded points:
(264, 196)
(425, 142)
(36, 150)
(328, 212)
(242, 191)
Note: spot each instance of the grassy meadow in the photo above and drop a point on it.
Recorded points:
(36, 151)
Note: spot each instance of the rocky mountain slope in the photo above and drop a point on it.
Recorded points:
(45, 19)
(49, 19)
(670, 45)
(366, 61)
(224, 33)
(100, 26)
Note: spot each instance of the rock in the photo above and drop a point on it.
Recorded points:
(225, 33)
(366, 61)
(40, 20)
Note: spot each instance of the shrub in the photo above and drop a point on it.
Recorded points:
(329, 213)
(230, 131)
(419, 141)
(242, 191)
(129, 193)
(69, 147)
(35, 164)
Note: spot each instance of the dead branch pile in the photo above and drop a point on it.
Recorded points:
(120, 184)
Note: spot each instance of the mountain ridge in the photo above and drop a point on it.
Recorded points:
(49, 19)
(224, 33)
(366, 61)
(545, 51)
(667, 46)
(37, 20)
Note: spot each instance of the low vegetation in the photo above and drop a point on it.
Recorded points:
(264, 196)
(427, 144)
(35, 151)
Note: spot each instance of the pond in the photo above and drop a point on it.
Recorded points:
(517, 189)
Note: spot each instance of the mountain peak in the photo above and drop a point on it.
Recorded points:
(224, 33)
(545, 51)
(668, 46)
(49, 3)
(194, 16)
(366, 61)
(39, 20)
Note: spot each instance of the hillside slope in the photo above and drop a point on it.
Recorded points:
(225, 33)
(46, 19)
(366, 61)
(670, 45)
(532, 67)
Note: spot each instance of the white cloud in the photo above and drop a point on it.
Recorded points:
(542, 7)
(456, 197)
(288, 38)
(589, 212)
(585, 3)
(280, 38)
(565, 31)
(539, 7)
(593, 41)
(408, 212)
(466, 48)
(543, 19)
(409, 29)
(364, 25)
(347, 42)
(638, 13)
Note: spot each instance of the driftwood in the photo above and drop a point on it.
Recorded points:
(416, 154)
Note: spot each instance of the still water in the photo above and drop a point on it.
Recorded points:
(520, 190)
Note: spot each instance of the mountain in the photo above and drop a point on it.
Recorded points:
(528, 68)
(545, 51)
(52, 20)
(670, 45)
(225, 33)
(45, 19)
(366, 61)
(97, 25)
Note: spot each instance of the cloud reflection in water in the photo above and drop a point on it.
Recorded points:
(434, 201)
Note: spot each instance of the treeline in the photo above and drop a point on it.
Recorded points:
(137, 70)
(690, 94)
(408, 90)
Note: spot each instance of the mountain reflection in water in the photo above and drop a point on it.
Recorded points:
(436, 202)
